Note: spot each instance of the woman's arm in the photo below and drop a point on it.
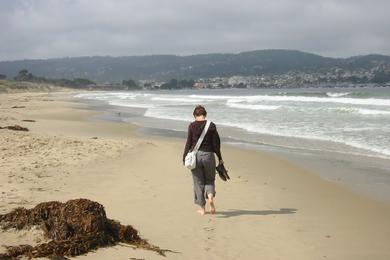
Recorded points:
(188, 143)
(217, 145)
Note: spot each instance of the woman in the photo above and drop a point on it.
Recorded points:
(204, 172)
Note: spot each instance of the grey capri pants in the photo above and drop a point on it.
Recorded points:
(204, 177)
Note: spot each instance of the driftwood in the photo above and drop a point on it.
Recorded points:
(28, 120)
(75, 227)
(18, 107)
(15, 128)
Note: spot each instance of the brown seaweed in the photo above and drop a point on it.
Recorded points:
(15, 128)
(74, 227)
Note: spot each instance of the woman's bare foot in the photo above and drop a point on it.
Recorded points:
(201, 211)
(211, 202)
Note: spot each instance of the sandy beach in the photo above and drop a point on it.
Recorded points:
(270, 209)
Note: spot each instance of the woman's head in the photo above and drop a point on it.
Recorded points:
(199, 111)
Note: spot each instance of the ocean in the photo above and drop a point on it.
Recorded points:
(342, 130)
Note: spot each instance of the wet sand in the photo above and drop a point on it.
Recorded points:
(271, 208)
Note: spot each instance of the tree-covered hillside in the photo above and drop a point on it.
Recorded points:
(165, 67)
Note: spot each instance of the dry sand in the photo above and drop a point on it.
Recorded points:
(271, 209)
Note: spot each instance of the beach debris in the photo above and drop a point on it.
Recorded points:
(18, 107)
(58, 258)
(28, 120)
(15, 128)
(74, 227)
(94, 137)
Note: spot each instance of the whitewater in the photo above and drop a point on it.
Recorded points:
(347, 120)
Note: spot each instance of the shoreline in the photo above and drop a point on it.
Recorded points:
(362, 174)
(330, 116)
(346, 170)
(274, 209)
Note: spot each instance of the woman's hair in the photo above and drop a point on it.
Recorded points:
(199, 111)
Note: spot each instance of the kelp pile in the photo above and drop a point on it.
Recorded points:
(15, 128)
(75, 227)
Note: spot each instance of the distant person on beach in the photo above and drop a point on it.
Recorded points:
(204, 172)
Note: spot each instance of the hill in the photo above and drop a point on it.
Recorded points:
(164, 67)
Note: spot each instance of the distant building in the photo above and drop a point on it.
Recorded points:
(200, 85)
(235, 80)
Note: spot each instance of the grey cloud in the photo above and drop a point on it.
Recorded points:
(55, 28)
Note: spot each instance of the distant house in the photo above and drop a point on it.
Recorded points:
(200, 85)
(235, 80)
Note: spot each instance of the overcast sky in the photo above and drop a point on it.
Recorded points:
(68, 28)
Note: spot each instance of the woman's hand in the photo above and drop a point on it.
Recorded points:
(220, 162)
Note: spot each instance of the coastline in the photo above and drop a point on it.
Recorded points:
(273, 209)
(363, 175)
(366, 175)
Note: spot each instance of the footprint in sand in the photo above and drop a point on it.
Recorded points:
(208, 229)
(209, 237)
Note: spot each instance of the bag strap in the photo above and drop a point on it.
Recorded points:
(200, 140)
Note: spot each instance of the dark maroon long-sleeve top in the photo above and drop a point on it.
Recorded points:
(210, 143)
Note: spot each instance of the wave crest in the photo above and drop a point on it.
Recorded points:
(337, 94)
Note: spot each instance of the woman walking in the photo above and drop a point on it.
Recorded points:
(204, 172)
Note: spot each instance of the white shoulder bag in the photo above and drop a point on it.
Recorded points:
(190, 160)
